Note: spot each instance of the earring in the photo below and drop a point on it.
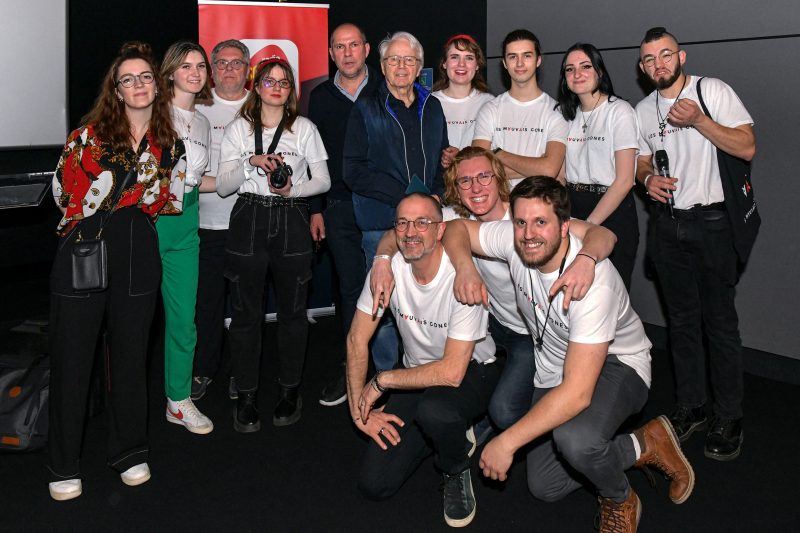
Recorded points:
(156, 92)
(119, 97)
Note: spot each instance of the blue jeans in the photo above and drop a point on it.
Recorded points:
(512, 397)
(386, 341)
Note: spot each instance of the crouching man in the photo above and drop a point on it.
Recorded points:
(448, 371)
(592, 365)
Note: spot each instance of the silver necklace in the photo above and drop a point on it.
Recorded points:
(588, 122)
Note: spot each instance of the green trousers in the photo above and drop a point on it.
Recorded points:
(179, 245)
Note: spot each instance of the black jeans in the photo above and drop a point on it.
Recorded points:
(277, 239)
(128, 304)
(623, 222)
(344, 242)
(697, 269)
(210, 308)
(436, 420)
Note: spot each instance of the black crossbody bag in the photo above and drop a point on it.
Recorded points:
(740, 201)
(90, 256)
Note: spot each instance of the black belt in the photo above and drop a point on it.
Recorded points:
(693, 212)
(587, 187)
(273, 201)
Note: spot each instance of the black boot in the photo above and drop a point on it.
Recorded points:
(246, 418)
(290, 404)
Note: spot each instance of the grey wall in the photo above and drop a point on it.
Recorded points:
(762, 71)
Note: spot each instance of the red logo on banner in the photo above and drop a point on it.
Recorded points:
(295, 32)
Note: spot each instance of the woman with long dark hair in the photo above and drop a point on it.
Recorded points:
(269, 230)
(601, 151)
(112, 180)
(185, 70)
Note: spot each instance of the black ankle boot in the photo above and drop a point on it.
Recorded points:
(290, 404)
(246, 418)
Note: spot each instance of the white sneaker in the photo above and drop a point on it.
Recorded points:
(136, 475)
(65, 490)
(184, 412)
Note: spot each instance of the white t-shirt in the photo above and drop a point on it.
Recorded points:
(521, 128)
(427, 315)
(692, 157)
(194, 130)
(215, 211)
(496, 276)
(590, 155)
(299, 148)
(460, 114)
(603, 315)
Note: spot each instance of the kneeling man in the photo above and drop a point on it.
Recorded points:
(448, 372)
(592, 365)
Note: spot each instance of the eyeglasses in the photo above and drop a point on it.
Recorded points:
(408, 61)
(270, 82)
(465, 182)
(128, 80)
(353, 45)
(665, 57)
(421, 224)
(235, 64)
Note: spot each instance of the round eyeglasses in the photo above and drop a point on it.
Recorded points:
(465, 182)
(665, 56)
(128, 80)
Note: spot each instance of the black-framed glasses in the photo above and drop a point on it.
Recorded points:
(352, 45)
(421, 224)
(665, 56)
(408, 61)
(465, 182)
(272, 82)
(145, 78)
(234, 64)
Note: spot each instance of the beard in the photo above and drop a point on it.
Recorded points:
(547, 250)
(418, 251)
(666, 83)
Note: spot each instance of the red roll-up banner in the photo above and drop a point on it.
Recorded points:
(295, 32)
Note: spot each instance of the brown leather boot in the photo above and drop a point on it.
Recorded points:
(620, 517)
(660, 449)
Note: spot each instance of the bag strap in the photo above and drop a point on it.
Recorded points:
(700, 97)
(275, 138)
(117, 191)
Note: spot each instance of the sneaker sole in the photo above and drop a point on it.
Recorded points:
(137, 481)
(64, 496)
(725, 457)
(280, 422)
(331, 403)
(246, 428)
(461, 522)
(193, 429)
(673, 437)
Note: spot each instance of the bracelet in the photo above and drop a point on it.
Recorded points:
(376, 385)
(586, 255)
(645, 180)
(382, 256)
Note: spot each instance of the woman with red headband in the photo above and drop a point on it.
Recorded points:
(268, 156)
(462, 90)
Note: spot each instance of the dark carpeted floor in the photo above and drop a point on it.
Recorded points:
(301, 478)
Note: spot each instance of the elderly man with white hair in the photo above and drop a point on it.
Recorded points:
(393, 146)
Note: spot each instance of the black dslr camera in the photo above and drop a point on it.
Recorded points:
(280, 176)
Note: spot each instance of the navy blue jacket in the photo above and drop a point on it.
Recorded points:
(375, 164)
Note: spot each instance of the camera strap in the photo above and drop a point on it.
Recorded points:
(275, 138)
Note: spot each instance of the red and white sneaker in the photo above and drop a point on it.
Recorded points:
(185, 413)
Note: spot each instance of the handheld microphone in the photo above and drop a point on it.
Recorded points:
(662, 164)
